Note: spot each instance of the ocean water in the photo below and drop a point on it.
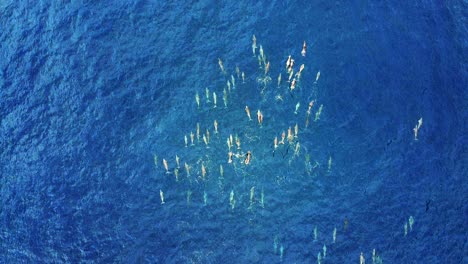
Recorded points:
(95, 95)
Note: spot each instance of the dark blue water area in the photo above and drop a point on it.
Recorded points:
(94, 95)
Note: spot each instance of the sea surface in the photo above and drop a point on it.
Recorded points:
(97, 98)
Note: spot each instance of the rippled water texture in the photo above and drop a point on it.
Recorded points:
(93, 97)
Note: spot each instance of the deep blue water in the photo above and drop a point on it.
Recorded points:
(94, 95)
